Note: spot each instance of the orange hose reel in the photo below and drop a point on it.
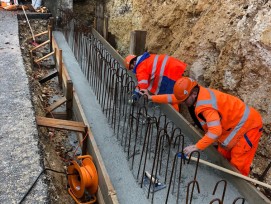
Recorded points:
(85, 179)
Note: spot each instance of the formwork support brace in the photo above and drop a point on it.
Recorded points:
(64, 125)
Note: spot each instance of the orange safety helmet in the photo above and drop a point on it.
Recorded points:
(183, 87)
(128, 60)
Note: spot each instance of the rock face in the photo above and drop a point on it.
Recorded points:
(226, 44)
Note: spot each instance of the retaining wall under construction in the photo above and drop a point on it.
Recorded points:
(128, 139)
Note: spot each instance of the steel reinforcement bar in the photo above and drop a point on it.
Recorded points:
(151, 136)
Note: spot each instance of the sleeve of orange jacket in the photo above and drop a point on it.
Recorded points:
(214, 129)
(142, 77)
(165, 98)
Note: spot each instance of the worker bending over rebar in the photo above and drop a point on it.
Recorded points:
(225, 119)
(156, 74)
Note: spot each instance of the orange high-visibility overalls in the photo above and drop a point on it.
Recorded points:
(158, 74)
(235, 126)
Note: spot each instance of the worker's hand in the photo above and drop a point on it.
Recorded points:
(145, 92)
(134, 98)
(187, 151)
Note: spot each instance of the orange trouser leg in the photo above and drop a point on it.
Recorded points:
(242, 154)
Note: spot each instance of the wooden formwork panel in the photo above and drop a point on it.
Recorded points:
(106, 192)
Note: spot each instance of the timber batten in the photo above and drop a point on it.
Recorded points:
(61, 124)
(106, 192)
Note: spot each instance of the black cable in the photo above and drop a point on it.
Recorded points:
(46, 169)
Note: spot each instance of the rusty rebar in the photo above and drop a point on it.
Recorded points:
(224, 189)
(216, 199)
(237, 199)
(174, 170)
(188, 187)
(196, 170)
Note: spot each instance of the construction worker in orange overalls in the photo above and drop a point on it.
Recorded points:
(156, 74)
(227, 120)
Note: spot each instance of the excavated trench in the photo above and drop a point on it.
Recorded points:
(133, 138)
(148, 139)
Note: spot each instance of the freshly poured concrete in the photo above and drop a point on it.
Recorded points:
(113, 157)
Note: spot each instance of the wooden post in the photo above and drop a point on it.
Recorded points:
(51, 22)
(99, 17)
(60, 67)
(69, 97)
(50, 37)
(105, 30)
(95, 23)
(85, 141)
(137, 42)
(54, 56)
(31, 59)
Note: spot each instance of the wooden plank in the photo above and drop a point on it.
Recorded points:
(61, 124)
(99, 17)
(31, 59)
(52, 22)
(50, 37)
(40, 45)
(37, 35)
(43, 33)
(105, 30)
(137, 42)
(57, 115)
(64, 76)
(69, 96)
(59, 58)
(44, 57)
(56, 104)
(48, 77)
(54, 44)
(107, 193)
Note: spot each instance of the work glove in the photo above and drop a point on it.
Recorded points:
(135, 97)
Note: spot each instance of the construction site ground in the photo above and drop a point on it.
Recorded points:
(52, 148)
(58, 146)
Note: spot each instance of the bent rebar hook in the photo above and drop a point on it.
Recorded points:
(239, 198)
(224, 189)
(197, 164)
(188, 186)
(174, 169)
(216, 199)
(196, 171)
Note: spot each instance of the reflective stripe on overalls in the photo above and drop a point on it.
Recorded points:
(161, 74)
(213, 102)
